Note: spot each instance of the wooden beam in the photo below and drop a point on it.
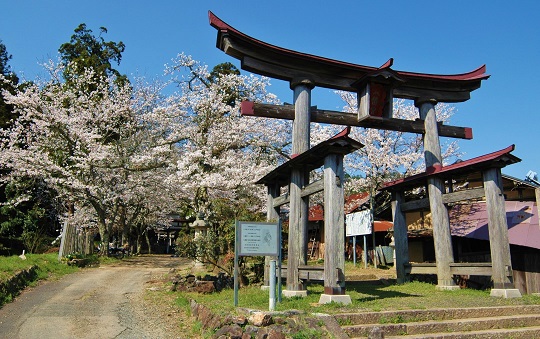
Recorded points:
(334, 225)
(363, 102)
(350, 119)
(439, 214)
(314, 187)
(470, 194)
(414, 205)
(455, 268)
(281, 200)
(401, 242)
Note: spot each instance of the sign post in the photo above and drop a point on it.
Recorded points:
(272, 296)
(255, 239)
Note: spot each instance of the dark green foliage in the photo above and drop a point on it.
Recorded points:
(34, 219)
(86, 51)
(222, 69)
(5, 70)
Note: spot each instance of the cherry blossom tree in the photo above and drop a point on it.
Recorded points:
(95, 148)
(122, 156)
(222, 154)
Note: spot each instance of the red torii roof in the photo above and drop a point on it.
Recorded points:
(313, 158)
(500, 158)
(285, 64)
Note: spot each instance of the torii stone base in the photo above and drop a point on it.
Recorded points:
(505, 293)
(344, 299)
(447, 287)
(292, 294)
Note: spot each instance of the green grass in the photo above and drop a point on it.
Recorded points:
(365, 296)
(48, 266)
(309, 333)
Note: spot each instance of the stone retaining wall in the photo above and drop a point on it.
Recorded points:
(12, 287)
(264, 325)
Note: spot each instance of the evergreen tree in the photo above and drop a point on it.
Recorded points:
(87, 51)
(9, 84)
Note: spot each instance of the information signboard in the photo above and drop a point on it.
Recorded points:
(358, 223)
(258, 238)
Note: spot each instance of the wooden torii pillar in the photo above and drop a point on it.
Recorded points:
(444, 255)
(503, 285)
(299, 206)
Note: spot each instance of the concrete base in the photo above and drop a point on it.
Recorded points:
(505, 292)
(265, 287)
(336, 298)
(292, 294)
(447, 287)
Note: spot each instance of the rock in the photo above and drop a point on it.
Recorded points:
(209, 278)
(274, 334)
(376, 333)
(205, 287)
(262, 333)
(261, 319)
(251, 330)
(239, 320)
(194, 308)
(230, 331)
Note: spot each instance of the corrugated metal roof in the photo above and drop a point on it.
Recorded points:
(471, 221)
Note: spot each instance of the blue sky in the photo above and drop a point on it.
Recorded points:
(422, 36)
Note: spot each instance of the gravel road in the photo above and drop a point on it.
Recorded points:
(103, 302)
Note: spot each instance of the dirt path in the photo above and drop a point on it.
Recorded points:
(104, 302)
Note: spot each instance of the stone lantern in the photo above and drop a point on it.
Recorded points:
(201, 227)
(392, 245)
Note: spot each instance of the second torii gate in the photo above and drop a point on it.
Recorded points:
(330, 154)
(376, 88)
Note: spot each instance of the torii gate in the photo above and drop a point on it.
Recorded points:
(376, 88)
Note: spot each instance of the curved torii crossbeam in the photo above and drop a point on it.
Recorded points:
(265, 59)
(376, 86)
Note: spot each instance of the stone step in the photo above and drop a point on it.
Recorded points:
(447, 326)
(404, 316)
(514, 333)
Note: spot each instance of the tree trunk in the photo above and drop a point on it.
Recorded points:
(139, 243)
(148, 243)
